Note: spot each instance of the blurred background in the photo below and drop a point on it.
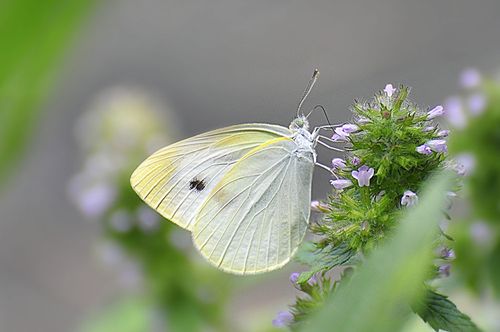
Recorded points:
(189, 66)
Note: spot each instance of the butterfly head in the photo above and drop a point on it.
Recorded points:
(299, 124)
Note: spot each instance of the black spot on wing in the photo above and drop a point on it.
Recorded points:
(199, 185)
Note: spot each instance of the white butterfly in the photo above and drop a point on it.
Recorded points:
(243, 191)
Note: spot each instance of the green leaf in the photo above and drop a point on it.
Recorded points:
(322, 259)
(33, 33)
(131, 315)
(442, 314)
(377, 296)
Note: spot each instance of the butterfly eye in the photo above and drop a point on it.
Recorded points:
(299, 123)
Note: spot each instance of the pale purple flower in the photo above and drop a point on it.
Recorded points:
(428, 129)
(476, 103)
(437, 145)
(409, 198)
(451, 194)
(148, 218)
(94, 201)
(363, 175)
(365, 225)
(444, 270)
(318, 206)
(435, 112)
(379, 196)
(447, 253)
(454, 112)
(340, 184)
(363, 120)
(424, 149)
(283, 319)
(120, 221)
(464, 164)
(313, 280)
(443, 133)
(131, 276)
(111, 254)
(341, 133)
(470, 78)
(481, 233)
(315, 206)
(338, 163)
(294, 277)
(389, 90)
(349, 128)
(339, 136)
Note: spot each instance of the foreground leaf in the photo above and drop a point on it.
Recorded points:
(377, 296)
(33, 33)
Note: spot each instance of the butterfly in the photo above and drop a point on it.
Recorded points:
(243, 191)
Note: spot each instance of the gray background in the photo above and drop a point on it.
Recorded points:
(217, 63)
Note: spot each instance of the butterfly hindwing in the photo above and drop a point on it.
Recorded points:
(177, 179)
(257, 215)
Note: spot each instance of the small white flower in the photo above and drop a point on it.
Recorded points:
(464, 164)
(340, 184)
(318, 206)
(409, 198)
(389, 90)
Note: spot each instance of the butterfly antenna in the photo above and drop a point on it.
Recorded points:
(308, 89)
(324, 112)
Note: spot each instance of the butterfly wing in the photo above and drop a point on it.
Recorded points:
(257, 215)
(178, 178)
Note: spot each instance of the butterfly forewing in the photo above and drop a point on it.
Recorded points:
(177, 179)
(257, 215)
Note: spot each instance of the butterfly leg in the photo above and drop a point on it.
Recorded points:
(328, 169)
(328, 146)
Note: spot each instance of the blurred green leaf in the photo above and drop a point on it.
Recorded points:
(33, 34)
(442, 314)
(131, 315)
(377, 296)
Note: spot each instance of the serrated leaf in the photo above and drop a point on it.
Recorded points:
(377, 296)
(322, 259)
(442, 314)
